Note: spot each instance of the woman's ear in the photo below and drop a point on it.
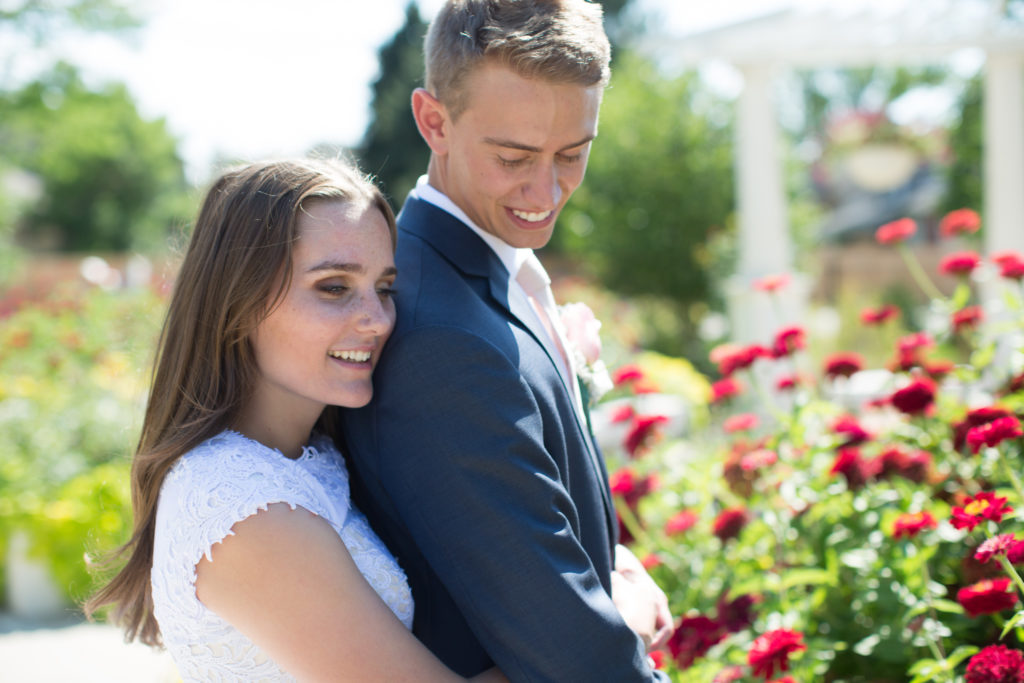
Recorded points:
(431, 120)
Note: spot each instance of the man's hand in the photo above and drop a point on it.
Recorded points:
(642, 604)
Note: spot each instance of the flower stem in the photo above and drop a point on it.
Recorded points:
(1012, 476)
(1011, 571)
(938, 651)
(917, 272)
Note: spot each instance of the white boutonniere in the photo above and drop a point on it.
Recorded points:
(582, 332)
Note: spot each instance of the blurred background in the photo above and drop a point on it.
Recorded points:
(738, 141)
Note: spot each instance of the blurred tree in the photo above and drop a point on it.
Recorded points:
(659, 185)
(965, 142)
(110, 180)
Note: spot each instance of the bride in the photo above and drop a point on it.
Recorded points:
(248, 561)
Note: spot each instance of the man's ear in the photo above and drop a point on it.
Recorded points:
(431, 120)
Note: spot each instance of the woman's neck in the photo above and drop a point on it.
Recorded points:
(285, 428)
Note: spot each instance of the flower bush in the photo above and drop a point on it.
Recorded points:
(72, 384)
(840, 522)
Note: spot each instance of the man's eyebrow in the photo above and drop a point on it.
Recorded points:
(512, 144)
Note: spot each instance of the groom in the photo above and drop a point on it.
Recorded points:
(474, 461)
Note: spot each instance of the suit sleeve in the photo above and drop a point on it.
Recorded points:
(471, 479)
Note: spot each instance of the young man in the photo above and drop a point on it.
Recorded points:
(474, 461)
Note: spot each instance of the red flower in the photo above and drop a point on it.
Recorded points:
(855, 469)
(693, 638)
(994, 547)
(725, 388)
(623, 414)
(988, 596)
(960, 264)
(896, 231)
(627, 484)
(976, 418)
(912, 466)
(912, 343)
(627, 374)
(1015, 553)
(771, 651)
(969, 316)
(787, 382)
(788, 340)
(730, 674)
(996, 664)
(847, 426)
(732, 357)
(658, 657)
(1011, 264)
(876, 316)
(843, 364)
(913, 523)
(994, 433)
(937, 369)
(729, 523)
(650, 561)
(643, 433)
(979, 508)
(740, 422)
(914, 398)
(680, 522)
(771, 283)
(959, 222)
(736, 614)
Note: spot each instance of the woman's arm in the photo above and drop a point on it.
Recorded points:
(286, 580)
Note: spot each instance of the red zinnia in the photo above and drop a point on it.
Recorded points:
(771, 651)
(693, 638)
(937, 369)
(994, 433)
(988, 596)
(643, 433)
(976, 418)
(847, 426)
(740, 422)
(680, 522)
(875, 316)
(732, 357)
(994, 547)
(787, 382)
(855, 469)
(771, 283)
(788, 340)
(736, 614)
(896, 231)
(729, 523)
(843, 364)
(960, 263)
(626, 374)
(996, 664)
(959, 221)
(1011, 264)
(979, 508)
(914, 398)
(912, 523)
(969, 316)
(758, 459)
(912, 466)
(623, 413)
(725, 388)
(912, 343)
(632, 488)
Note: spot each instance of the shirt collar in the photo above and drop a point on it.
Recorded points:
(511, 257)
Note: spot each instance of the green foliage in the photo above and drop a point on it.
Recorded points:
(965, 141)
(72, 382)
(392, 148)
(111, 180)
(658, 186)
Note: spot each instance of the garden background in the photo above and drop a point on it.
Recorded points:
(813, 500)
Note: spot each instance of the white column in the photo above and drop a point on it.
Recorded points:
(1004, 152)
(764, 241)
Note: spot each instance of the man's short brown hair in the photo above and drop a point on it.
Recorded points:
(561, 41)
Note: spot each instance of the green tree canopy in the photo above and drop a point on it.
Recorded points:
(111, 180)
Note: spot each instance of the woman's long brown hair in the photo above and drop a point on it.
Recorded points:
(236, 267)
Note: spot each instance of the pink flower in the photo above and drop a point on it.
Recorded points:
(994, 433)
(680, 522)
(995, 547)
(876, 316)
(740, 422)
(582, 330)
(996, 664)
(960, 264)
(758, 459)
(788, 340)
(771, 283)
(843, 364)
(732, 357)
(912, 343)
(959, 222)
(969, 316)
(1011, 264)
(772, 650)
(725, 389)
(914, 398)
(623, 413)
(913, 523)
(896, 231)
(984, 506)
(987, 597)
(847, 426)
(787, 382)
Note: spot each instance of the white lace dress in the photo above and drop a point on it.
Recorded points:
(223, 481)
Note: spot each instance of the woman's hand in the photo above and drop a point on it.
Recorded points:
(642, 604)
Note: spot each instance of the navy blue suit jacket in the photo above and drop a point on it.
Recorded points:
(473, 466)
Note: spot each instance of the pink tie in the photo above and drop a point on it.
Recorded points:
(537, 285)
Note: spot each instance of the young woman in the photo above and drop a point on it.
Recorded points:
(247, 560)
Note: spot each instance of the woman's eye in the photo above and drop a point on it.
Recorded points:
(333, 290)
(386, 292)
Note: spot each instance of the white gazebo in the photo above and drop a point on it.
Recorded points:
(842, 34)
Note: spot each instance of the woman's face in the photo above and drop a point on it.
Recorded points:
(319, 345)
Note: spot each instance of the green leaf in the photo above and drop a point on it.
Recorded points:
(1015, 621)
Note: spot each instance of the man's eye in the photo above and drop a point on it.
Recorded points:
(510, 163)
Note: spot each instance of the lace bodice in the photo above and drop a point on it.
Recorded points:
(223, 481)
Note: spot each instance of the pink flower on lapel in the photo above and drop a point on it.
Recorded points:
(582, 330)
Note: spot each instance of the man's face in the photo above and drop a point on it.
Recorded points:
(517, 152)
